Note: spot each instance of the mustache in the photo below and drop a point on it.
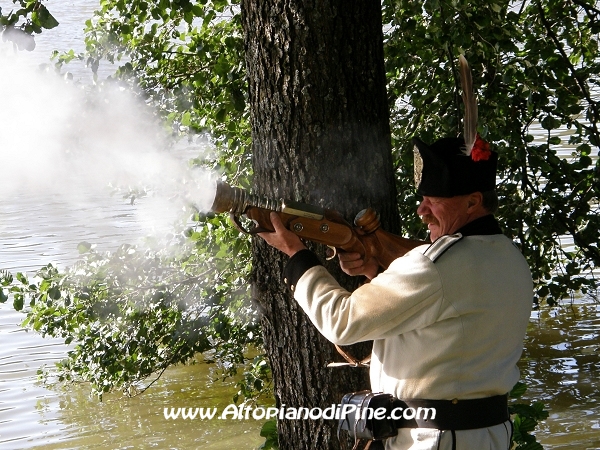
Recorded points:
(428, 218)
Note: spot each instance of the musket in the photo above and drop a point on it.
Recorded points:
(313, 223)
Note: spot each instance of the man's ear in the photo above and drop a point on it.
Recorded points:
(475, 200)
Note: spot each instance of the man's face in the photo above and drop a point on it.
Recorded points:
(444, 215)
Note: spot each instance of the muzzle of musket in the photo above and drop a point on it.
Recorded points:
(229, 199)
(237, 200)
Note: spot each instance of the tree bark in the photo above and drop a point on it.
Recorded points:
(320, 129)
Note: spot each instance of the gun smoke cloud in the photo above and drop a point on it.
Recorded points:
(63, 141)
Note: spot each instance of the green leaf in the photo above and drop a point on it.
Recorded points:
(518, 390)
(54, 293)
(6, 278)
(584, 149)
(186, 119)
(550, 123)
(585, 161)
(222, 66)
(198, 10)
(84, 247)
(3, 296)
(269, 431)
(554, 140)
(543, 291)
(18, 302)
(43, 18)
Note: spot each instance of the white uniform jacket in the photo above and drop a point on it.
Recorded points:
(445, 326)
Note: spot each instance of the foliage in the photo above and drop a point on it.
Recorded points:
(133, 313)
(19, 26)
(535, 66)
(257, 379)
(269, 431)
(525, 419)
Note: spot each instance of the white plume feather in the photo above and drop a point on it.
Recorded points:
(470, 101)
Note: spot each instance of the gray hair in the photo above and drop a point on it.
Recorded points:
(490, 201)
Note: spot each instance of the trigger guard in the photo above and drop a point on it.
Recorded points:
(330, 253)
(238, 224)
(243, 230)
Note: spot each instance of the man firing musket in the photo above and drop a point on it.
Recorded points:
(448, 318)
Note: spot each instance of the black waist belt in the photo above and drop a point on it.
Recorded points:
(452, 414)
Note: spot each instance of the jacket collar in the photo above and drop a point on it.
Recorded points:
(485, 225)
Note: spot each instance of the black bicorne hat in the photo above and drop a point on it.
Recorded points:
(457, 166)
(444, 169)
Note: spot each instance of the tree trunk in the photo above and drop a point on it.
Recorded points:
(320, 128)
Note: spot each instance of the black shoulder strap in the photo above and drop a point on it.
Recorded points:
(439, 247)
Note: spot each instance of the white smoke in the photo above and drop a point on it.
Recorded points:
(58, 138)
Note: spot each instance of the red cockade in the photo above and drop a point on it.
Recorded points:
(481, 150)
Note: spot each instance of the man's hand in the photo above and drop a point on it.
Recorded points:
(353, 264)
(282, 238)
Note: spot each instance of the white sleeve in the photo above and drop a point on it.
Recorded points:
(407, 296)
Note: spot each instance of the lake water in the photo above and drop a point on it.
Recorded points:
(560, 360)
